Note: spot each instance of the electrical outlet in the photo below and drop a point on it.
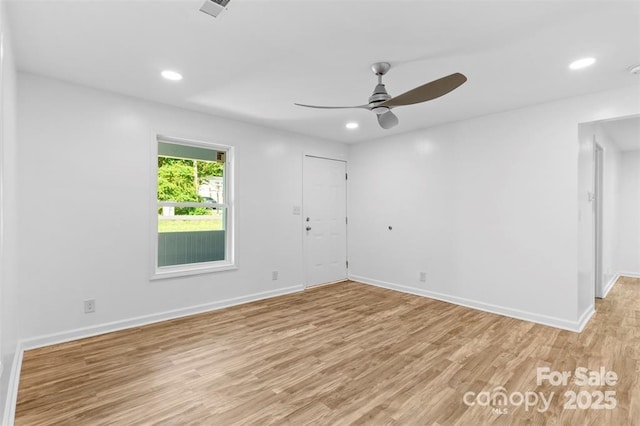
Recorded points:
(274, 275)
(423, 277)
(89, 306)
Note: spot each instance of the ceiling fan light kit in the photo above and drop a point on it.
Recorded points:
(381, 103)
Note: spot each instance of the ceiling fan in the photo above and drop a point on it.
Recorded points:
(381, 102)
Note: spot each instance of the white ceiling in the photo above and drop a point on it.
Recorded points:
(624, 132)
(259, 57)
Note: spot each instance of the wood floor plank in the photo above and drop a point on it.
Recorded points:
(340, 354)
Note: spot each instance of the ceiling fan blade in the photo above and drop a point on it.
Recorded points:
(428, 91)
(333, 107)
(387, 120)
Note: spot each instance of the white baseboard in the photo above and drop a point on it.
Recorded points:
(614, 279)
(585, 317)
(562, 323)
(630, 274)
(609, 285)
(81, 333)
(9, 412)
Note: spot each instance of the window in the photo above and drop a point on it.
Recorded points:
(193, 209)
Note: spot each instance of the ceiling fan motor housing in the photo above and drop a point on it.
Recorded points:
(379, 96)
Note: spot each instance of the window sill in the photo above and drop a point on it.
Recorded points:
(182, 271)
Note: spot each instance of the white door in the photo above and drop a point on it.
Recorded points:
(324, 220)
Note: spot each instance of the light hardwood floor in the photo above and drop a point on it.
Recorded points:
(341, 354)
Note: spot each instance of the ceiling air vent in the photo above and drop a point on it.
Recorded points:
(214, 7)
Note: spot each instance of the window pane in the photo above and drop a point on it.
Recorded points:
(192, 235)
(188, 219)
(183, 179)
(191, 174)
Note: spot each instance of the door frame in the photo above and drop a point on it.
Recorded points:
(598, 208)
(305, 271)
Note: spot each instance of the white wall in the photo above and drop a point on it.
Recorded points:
(629, 214)
(486, 207)
(84, 207)
(8, 214)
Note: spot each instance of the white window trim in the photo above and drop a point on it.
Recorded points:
(229, 263)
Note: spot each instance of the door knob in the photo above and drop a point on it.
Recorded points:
(308, 228)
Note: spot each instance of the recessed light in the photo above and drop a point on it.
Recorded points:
(352, 125)
(171, 75)
(582, 63)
